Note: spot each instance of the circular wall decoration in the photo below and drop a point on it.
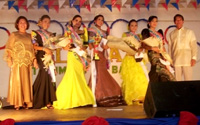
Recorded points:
(3, 28)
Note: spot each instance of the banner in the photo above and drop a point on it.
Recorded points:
(167, 1)
(165, 6)
(147, 3)
(2, 4)
(102, 2)
(198, 1)
(20, 2)
(184, 4)
(60, 3)
(147, 6)
(156, 3)
(109, 7)
(194, 4)
(113, 2)
(123, 2)
(137, 6)
(188, 1)
(88, 7)
(16, 8)
(118, 6)
(77, 8)
(71, 3)
(134, 2)
(175, 5)
(10, 4)
(50, 3)
(82, 2)
(91, 2)
(25, 8)
(46, 7)
(40, 3)
(56, 7)
(29, 2)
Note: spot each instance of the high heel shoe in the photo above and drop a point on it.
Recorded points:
(50, 107)
(17, 108)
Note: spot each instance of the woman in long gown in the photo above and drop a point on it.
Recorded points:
(106, 89)
(135, 82)
(158, 71)
(19, 54)
(73, 90)
(44, 86)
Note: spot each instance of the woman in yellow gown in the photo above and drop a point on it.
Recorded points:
(73, 90)
(135, 82)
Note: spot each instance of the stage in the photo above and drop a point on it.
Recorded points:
(81, 113)
(120, 115)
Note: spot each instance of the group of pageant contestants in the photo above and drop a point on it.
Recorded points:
(24, 50)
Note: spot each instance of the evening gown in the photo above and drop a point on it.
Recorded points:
(134, 85)
(43, 87)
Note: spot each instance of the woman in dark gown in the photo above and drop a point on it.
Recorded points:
(44, 86)
(107, 90)
(158, 71)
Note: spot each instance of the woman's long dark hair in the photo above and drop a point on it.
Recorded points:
(76, 16)
(150, 19)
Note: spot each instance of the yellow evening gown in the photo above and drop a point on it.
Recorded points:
(73, 90)
(134, 85)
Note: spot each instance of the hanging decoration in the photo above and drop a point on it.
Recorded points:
(56, 7)
(50, 3)
(128, 6)
(29, 2)
(40, 3)
(134, 2)
(147, 2)
(102, 2)
(137, 6)
(88, 7)
(194, 4)
(198, 1)
(46, 7)
(20, 2)
(2, 4)
(156, 3)
(60, 3)
(123, 2)
(25, 8)
(91, 2)
(82, 2)
(10, 4)
(113, 2)
(77, 8)
(175, 5)
(167, 1)
(109, 7)
(148, 5)
(165, 6)
(71, 3)
(16, 8)
(57, 4)
(188, 1)
(118, 6)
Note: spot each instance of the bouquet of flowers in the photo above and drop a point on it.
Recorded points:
(126, 44)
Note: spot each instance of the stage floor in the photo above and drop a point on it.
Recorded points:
(81, 113)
